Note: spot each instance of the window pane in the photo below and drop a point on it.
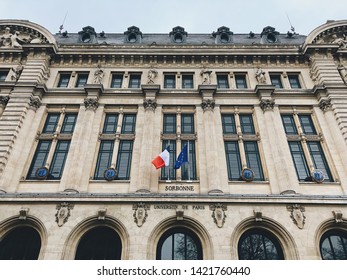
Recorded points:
(81, 80)
(69, 123)
(319, 160)
(299, 161)
(40, 157)
(228, 123)
(294, 81)
(104, 159)
(59, 158)
(135, 81)
(247, 126)
(117, 81)
(276, 81)
(64, 80)
(189, 169)
(169, 172)
(3, 75)
(253, 160)
(51, 123)
(169, 81)
(169, 124)
(128, 125)
(124, 159)
(289, 124)
(233, 160)
(240, 80)
(333, 245)
(110, 124)
(307, 124)
(187, 81)
(222, 81)
(187, 123)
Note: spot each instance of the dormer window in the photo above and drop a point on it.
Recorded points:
(133, 35)
(178, 35)
(269, 35)
(87, 35)
(223, 35)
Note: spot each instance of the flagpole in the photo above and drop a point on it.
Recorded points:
(168, 174)
(188, 163)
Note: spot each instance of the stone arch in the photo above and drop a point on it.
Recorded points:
(285, 240)
(327, 29)
(73, 239)
(326, 226)
(187, 223)
(30, 221)
(30, 28)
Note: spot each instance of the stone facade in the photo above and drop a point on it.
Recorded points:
(206, 70)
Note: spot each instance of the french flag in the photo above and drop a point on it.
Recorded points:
(163, 159)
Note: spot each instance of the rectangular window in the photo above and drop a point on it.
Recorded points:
(228, 124)
(64, 80)
(187, 124)
(110, 123)
(104, 158)
(240, 81)
(305, 152)
(53, 145)
(294, 81)
(135, 81)
(233, 160)
(189, 169)
(117, 80)
(187, 81)
(169, 172)
(3, 75)
(81, 80)
(169, 81)
(59, 158)
(169, 124)
(128, 125)
(253, 159)
(276, 80)
(247, 126)
(222, 81)
(124, 159)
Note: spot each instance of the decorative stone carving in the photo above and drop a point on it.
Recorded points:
(258, 215)
(152, 74)
(179, 213)
(102, 214)
(343, 73)
(140, 213)
(267, 104)
(260, 76)
(325, 105)
(218, 213)
(297, 215)
(341, 40)
(91, 103)
(150, 104)
(337, 216)
(63, 213)
(208, 104)
(3, 101)
(206, 76)
(16, 72)
(23, 213)
(34, 103)
(98, 75)
(18, 36)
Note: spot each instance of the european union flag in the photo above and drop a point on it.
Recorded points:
(182, 157)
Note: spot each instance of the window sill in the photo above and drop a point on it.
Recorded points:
(108, 182)
(179, 181)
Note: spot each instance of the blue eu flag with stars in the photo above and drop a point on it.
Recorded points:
(182, 157)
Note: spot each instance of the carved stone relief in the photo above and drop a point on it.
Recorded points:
(325, 105)
(151, 76)
(208, 104)
(150, 104)
(16, 72)
(23, 213)
(343, 73)
(267, 104)
(63, 213)
(3, 101)
(102, 214)
(260, 76)
(13, 37)
(98, 75)
(140, 213)
(338, 216)
(91, 103)
(218, 214)
(34, 103)
(206, 76)
(297, 215)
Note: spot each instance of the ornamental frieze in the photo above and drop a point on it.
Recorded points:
(14, 37)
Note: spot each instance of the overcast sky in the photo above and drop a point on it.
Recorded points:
(160, 16)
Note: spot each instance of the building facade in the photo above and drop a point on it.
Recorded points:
(262, 116)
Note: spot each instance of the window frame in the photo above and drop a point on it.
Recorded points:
(4, 74)
(81, 79)
(132, 78)
(187, 80)
(241, 80)
(168, 77)
(223, 81)
(278, 78)
(297, 78)
(113, 78)
(63, 76)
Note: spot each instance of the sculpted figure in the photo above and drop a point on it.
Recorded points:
(206, 76)
(342, 42)
(260, 75)
(152, 74)
(98, 75)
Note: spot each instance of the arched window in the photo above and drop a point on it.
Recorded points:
(21, 243)
(100, 243)
(333, 245)
(179, 244)
(257, 244)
